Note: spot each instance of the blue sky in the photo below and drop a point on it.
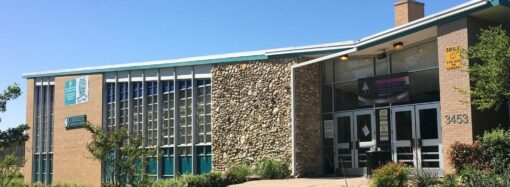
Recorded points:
(49, 35)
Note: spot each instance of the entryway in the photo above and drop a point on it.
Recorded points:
(413, 137)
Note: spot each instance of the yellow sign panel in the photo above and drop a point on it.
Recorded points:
(453, 59)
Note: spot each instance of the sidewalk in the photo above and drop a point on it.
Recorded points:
(308, 182)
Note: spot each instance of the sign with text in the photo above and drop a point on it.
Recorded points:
(329, 129)
(73, 122)
(453, 58)
(381, 90)
(76, 91)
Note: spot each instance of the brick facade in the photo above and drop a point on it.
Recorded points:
(27, 169)
(450, 81)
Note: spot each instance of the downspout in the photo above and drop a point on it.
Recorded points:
(293, 126)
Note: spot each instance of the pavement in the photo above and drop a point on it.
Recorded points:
(309, 182)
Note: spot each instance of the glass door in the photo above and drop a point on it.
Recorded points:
(403, 135)
(364, 136)
(429, 137)
(344, 148)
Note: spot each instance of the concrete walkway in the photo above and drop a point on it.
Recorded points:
(309, 182)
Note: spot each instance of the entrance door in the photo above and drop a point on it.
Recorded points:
(355, 135)
(416, 136)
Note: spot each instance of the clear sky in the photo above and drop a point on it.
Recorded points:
(50, 35)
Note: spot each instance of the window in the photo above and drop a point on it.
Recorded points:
(203, 117)
(110, 106)
(123, 105)
(415, 58)
(354, 69)
(185, 112)
(152, 113)
(137, 109)
(43, 132)
(168, 113)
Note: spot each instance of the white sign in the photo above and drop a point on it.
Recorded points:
(329, 129)
(366, 132)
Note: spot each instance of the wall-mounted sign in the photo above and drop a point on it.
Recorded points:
(453, 58)
(384, 133)
(76, 91)
(329, 129)
(457, 119)
(73, 122)
(386, 89)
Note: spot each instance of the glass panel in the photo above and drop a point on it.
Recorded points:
(346, 96)
(424, 86)
(344, 129)
(382, 66)
(403, 125)
(364, 127)
(420, 57)
(428, 124)
(327, 72)
(354, 69)
(327, 98)
(329, 150)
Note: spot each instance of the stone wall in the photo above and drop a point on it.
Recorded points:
(308, 138)
(251, 103)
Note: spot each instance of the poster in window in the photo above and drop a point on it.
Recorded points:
(329, 131)
(382, 90)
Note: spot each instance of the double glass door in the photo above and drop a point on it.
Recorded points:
(355, 135)
(416, 136)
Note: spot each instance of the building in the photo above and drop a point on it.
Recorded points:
(319, 107)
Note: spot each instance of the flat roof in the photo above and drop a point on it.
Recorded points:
(422, 23)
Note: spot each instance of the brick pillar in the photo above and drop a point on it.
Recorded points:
(27, 169)
(452, 102)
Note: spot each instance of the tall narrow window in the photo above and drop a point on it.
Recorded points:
(203, 106)
(123, 105)
(152, 113)
(43, 133)
(137, 108)
(185, 112)
(110, 106)
(168, 113)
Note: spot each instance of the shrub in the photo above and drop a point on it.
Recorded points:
(475, 178)
(168, 183)
(469, 155)
(38, 184)
(425, 178)
(450, 180)
(194, 181)
(237, 174)
(215, 179)
(497, 143)
(390, 174)
(66, 185)
(270, 168)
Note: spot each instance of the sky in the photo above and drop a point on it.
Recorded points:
(50, 35)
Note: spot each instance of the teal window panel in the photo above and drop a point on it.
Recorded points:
(152, 166)
(204, 164)
(185, 164)
(168, 166)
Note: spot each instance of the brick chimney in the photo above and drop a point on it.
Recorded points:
(407, 11)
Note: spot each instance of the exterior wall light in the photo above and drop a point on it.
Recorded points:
(344, 57)
(398, 45)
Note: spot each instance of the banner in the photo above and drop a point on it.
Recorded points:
(76, 91)
(382, 90)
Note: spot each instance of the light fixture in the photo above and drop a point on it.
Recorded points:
(344, 57)
(382, 55)
(398, 45)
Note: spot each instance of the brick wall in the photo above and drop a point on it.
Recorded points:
(27, 170)
(71, 160)
(452, 101)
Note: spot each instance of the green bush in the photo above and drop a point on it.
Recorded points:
(475, 178)
(216, 179)
(168, 183)
(425, 178)
(270, 168)
(469, 155)
(390, 174)
(66, 185)
(237, 174)
(194, 181)
(38, 184)
(450, 180)
(497, 143)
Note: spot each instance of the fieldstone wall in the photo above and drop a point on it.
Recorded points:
(308, 140)
(251, 117)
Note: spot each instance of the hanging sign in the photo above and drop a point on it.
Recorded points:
(329, 130)
(73, 122)
(76, 91)
(453, 58)
(385, 89)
